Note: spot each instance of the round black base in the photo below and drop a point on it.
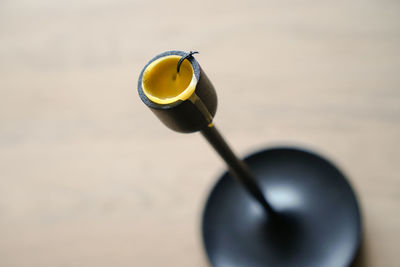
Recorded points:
(317, 223)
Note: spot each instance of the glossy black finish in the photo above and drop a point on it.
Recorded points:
(317, 223)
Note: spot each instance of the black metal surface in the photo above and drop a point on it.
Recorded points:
(318, 219)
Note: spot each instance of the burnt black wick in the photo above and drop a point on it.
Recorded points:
(186, 56)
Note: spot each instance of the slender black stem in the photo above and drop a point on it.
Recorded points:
(237, 167)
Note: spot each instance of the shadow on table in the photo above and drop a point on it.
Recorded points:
(361, 258)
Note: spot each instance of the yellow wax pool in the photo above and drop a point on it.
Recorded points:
(162, 83)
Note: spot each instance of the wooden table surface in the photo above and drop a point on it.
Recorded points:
(90, 177)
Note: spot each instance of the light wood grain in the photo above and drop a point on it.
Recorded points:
(89, 177)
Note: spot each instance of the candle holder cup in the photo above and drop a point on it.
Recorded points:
(282, 206)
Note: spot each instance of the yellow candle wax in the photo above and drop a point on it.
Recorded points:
(162, 84)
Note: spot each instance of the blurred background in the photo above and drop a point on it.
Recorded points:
(90, 177)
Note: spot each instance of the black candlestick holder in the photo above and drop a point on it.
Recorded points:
(281, 206)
